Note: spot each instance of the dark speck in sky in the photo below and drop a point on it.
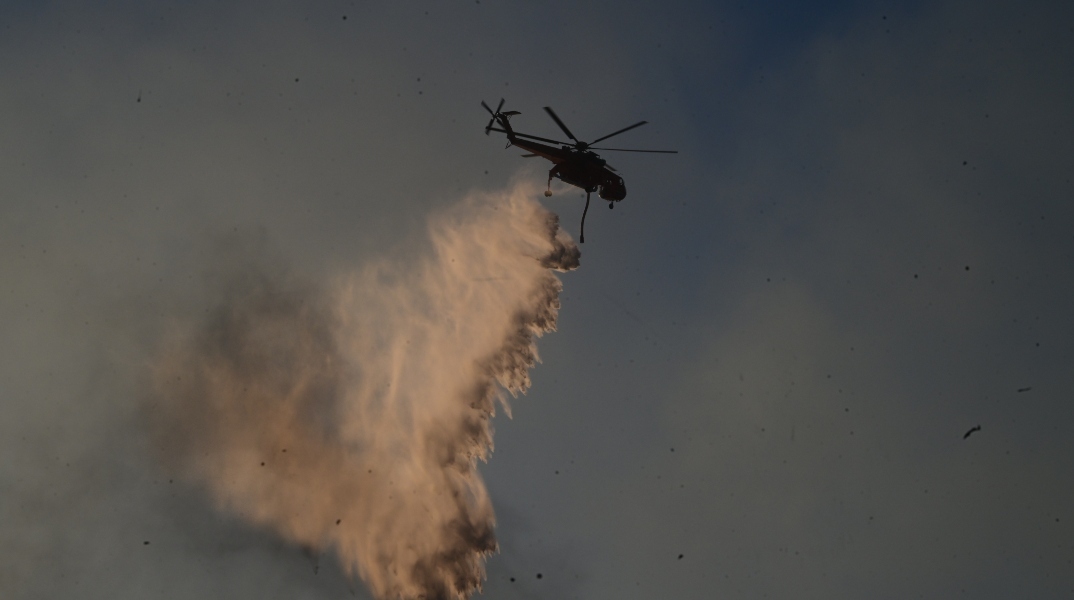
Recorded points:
(854, 214)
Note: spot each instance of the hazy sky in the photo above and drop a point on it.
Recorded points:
(765, 364)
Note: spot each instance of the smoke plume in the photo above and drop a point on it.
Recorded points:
(348, 417)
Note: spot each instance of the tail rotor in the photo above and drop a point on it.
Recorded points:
(494, 113)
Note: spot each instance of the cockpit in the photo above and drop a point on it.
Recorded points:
(613, 188)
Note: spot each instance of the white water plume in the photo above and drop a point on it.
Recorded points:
(349, 417)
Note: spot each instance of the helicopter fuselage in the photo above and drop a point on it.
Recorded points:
(580, 168)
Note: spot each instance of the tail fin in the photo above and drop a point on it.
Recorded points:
(503, 118)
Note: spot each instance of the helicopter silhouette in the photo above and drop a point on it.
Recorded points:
(573, 163)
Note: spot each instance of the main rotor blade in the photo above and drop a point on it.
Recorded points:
(532, 137)
(487, 108)
(632, 150)
(500, 106)
(548, 109)
(541, 139)
(639, 124)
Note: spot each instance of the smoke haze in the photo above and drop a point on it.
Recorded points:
(349, 416)
(781, 336)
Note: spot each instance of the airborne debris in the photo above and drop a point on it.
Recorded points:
(970, 432)
(1025, 389)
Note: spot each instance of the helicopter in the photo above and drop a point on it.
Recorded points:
(573, 163)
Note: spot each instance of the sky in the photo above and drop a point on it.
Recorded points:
(764, 366)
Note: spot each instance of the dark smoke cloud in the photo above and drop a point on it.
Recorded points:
(349, 416)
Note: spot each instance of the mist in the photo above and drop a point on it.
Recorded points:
(349, 416)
